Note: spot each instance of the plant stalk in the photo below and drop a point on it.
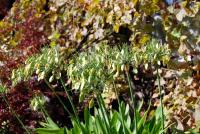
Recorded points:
(14, 113)
(120, 110)
(104, 114)
(131, 88)
(70, 100)
(161, 100)
(57, 97)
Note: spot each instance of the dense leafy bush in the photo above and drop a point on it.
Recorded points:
(98, 68)
(61, 49)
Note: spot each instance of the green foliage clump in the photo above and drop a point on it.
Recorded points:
(114, 122)
(48, 64)
(2, 89)
(97, 68)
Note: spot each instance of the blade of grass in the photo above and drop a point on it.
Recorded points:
(131, 88)
(14, 113)
(61, 102)
(120, 110)
(161, 103)
(70, 100)
(104, 114)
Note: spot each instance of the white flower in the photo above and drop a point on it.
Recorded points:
(99, 33)
(127, 18)
(116, 8)
(84, 32)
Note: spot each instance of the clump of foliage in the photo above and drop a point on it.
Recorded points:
(49, 63)
(115, 123)
(103, 64)
(93, 69)
(163, 37)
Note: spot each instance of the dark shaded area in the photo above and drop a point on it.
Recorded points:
(5, 6)
(46, 7)
(18, 100)
(121, 37)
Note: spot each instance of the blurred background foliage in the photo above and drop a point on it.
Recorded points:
(91, 43)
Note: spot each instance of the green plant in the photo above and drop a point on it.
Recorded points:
(48, 64)
(80, 27)
(94, 70)
(95, 124)
(51, 128)
(90, 70)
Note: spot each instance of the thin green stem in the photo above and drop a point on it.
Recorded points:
(45, 113)
(13, 112)
(131, 88)
(57, 97)
(161, 101)
(104, 114)
(104, 107)
(120, 110)
(70, 100)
